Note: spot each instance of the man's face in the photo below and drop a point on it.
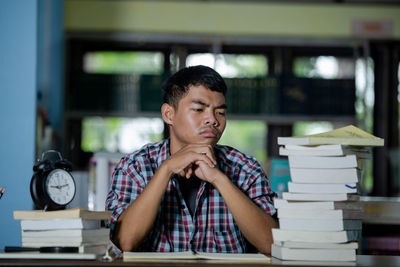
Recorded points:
(199, 118)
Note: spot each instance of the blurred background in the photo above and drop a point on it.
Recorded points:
(84, 76)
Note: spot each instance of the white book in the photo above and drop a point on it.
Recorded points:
(322, 188)
(72, 235)
(320, 197)
(319, 224)
(313, 254)
(315, 162)
(291, 244)
(321, 214)
(317, 236)
(63, 243)
(328, 176)
(48, 256)
(329, 205)
(325, 150)
(53, 224)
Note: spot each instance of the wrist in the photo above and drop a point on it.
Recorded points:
(219, 180)
(165, 169)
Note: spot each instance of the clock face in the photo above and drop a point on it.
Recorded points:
(60, 186)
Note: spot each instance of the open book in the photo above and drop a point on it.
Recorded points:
(349, 135)
(194, 255)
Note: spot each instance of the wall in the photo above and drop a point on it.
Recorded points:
(244, 18)
(18, 20)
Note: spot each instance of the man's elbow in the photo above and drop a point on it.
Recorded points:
(126, 243)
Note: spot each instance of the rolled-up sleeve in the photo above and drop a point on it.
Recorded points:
(126, 185)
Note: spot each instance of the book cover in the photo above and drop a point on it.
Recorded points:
(316, 236)
(349, 161)
(322, 188)
(349, 135)
(329, 205)
(293, 244)
(320, 196)
(322, 214)
(53, 224)
(61, 214)
(313, 254)
(48, 256)
(66, 233)
(325, 150)
(310, 224)
(338, 175)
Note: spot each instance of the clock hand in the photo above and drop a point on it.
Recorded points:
(57, 186)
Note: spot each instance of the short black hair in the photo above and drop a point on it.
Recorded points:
(177, 86)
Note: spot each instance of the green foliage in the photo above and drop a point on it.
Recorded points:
(249, 66)
(247, 136)
(124, 62)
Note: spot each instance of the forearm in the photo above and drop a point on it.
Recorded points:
(136, 221)
(254, 223)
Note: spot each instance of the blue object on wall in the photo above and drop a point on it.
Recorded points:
(18, 24)
(50, 58)
(279, 175)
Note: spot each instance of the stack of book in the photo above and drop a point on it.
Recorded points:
(320, 215)
(77, 228)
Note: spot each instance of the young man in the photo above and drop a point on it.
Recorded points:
(187, 192)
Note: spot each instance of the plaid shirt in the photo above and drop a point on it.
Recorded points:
(212, 228)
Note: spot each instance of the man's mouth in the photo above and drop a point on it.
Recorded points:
(209, 133)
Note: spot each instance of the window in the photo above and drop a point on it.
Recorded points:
(116, 62)
(326, 67)
(123, 135)
(232, 66)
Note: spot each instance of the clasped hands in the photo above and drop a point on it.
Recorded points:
(198, 160)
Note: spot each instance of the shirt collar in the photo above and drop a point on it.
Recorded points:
(163, 153)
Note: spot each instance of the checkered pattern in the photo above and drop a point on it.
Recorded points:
(212, 228)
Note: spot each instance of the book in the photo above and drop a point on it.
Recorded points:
(63, 243)
(319, 224)
(77, 223)
(325, 150)
(316, 162)
(66, 233)
(381, 210)
(328, 175)
(320, 196)
(316, 236)
(61, 214)
(330, 205)
(49, 256)
(313, 254)
(322, 188)
(349, 135)
(321, 214)
(291, 244)
(195, 255)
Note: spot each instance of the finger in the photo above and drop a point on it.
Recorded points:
(189, 173)
(210, 153)
(207, 160)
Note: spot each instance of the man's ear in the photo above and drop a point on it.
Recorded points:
(167, 112)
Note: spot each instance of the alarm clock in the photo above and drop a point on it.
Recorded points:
(52, 185)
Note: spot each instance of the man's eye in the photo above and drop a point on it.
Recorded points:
(197, 109)
(222, 113)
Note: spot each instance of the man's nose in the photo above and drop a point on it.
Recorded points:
(211, 119)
